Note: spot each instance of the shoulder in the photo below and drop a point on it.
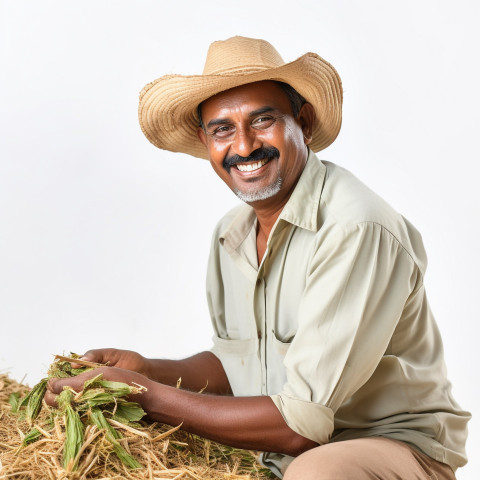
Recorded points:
(348, 204)
(347, 200)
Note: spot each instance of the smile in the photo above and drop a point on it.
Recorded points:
(250, 167)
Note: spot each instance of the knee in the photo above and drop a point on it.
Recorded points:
(315, 464)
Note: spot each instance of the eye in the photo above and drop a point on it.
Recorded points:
(223, 131)
(263, 121)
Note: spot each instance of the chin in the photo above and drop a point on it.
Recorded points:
(257, 195)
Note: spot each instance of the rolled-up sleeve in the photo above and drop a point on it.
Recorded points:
(358, 281)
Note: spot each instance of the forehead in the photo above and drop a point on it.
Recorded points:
(246, 98)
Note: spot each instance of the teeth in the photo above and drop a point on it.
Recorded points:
(249, 167)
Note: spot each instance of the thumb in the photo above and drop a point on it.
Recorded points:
(94, 357)
(55, 385)
(54, 388)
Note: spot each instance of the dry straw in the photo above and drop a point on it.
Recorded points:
(82, 440)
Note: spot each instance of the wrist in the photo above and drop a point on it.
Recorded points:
(145, 367)
(151, 398)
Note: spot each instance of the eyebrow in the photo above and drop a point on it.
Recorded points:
(221, 121)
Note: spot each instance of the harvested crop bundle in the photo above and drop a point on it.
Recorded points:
(95, 405)
(97, 433)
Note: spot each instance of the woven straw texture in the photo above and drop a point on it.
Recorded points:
(168, 106)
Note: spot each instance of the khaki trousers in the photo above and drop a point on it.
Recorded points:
(366, 459)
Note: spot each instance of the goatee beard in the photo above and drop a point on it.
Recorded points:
(261, 193)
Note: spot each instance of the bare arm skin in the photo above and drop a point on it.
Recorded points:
(202, 371)
(244, 422)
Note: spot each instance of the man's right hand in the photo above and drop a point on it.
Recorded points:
(114, 357)
(202, 371)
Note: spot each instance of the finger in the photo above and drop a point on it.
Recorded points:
(50, 399)
(76, 361)
(55, 385)
(94, 356)
(77, 365)
(80, 362)
(100, 355)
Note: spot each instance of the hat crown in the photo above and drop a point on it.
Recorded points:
(241, 55)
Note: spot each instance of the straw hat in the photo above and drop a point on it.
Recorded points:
(168, 105)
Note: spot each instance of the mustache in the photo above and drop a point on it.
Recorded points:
(255, 156)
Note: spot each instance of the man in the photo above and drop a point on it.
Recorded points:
(323, 333)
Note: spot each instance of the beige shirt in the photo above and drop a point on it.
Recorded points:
(334, 324)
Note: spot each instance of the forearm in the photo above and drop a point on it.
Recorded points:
(243, 422)
(202, 371)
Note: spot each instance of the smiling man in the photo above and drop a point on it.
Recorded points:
(326, 356)
(257, 146)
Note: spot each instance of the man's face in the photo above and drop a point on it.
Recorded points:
(254, 143)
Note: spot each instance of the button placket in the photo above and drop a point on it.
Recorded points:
(260, 320)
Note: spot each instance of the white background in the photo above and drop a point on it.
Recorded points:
(104, 238)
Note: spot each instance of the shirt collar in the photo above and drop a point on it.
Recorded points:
(302, 206)
(300, 210)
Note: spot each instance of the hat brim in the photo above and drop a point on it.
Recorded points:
(168, 106)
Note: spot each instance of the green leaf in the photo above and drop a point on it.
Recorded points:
(32, 436)
(33, 400)
(96, 396)
(128, 412)
(73, 437)
(14, 402)
(97, 417)
(92, 382)
(119, 389)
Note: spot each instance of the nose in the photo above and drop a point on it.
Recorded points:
(245, 141)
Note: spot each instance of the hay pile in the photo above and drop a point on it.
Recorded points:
(162, 451)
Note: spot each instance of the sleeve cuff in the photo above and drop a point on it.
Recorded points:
(311, 420)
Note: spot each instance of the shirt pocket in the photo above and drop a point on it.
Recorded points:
(281, 347)
(240, 360)
(235, 347)
(282, 344)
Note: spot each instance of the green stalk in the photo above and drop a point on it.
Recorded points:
(73, 430)
(112, 435)
(95, 395)
(33, 400)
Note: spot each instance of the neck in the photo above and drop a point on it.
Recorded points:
(266, 220)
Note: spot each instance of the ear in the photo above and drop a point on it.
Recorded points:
(201, 135)
(306, 118)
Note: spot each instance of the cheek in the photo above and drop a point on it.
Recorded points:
(294, 136)
(286, 137)
(216, 152)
